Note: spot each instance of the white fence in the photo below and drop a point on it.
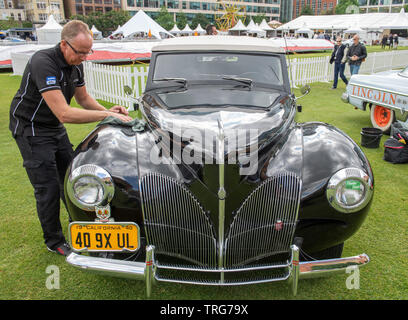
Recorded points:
(106, 82)
(318, 69)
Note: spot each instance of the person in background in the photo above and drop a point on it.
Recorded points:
(356, 55)
(339, 57)
(384, 41)
(396, 41)
(211, 30)
(390, 41)
(41, 106)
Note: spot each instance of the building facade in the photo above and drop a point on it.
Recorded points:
(38, 11)
(389, 6)
(210, 8)
(318, 6)
(286, 11)
(9, 10)
(85, 7)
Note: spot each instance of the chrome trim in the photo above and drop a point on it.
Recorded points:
(221, 197)
(175, 222)
(294, 274)
(253, 233)
(343, 175)
(137, 270)
(345, 97)
(321, 268)
(101, 175)
(150, 270)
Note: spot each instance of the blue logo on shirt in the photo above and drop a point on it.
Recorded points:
(51, 80)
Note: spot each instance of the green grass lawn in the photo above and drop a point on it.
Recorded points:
(384, 236)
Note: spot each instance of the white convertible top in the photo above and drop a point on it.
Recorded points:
(211, 43)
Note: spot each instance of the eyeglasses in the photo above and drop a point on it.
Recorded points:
(78, 52)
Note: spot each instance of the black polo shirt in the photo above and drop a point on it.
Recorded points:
(46, 70)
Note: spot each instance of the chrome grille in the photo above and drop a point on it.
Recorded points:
(175, 222)
(265, 223)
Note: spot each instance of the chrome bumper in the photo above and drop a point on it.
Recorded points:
(145, 270)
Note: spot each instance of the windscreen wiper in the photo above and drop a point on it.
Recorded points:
(178, 80)
(246, 81)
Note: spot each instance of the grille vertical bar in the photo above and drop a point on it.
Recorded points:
(255, 232)
(175, 222)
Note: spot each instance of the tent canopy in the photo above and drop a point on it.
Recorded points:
(253, 27)
(175, 29)
(51, 24)
(342, 21)
(398, 22)
(199, 29)
(265, 26)
(239, 26)
(186, 29)
(141, 22)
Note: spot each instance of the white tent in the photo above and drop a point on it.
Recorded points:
(186, 30)
(96, 34)
(398, 22)
(305, 30)
(139, 23)
(175, 30)
(199, 30)
(265, 26)
(238, 28)
(354, 29)
(255, 29)
(50, 32)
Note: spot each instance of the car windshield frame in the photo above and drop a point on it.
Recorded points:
(404, 72)
(218, 78)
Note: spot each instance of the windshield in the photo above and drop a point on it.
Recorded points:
(235, 68)
(404, 72)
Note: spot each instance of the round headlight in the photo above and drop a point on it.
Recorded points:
(349, 190)
(89, 186)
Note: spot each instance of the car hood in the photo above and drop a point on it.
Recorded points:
(387, 80)
(253, 116)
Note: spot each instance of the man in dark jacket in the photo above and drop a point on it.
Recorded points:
(339, 56)
(356, 55)
(38, 111)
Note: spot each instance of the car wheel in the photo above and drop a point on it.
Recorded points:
(329, 253)
(382, 118)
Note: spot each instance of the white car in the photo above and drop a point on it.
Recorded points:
(384, 93)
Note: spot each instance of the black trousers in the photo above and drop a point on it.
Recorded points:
(46, 160)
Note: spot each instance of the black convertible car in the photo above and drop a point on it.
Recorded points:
(217, 185)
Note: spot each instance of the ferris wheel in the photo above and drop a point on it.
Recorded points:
(228, 12)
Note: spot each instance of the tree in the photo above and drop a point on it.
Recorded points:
(181, 20)
(165, 19)
(347, 6)
(199, 19)
(258, 18)
(104, 22)
(307, 11)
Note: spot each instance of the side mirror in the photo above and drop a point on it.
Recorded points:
(304, 91)
(128, 90)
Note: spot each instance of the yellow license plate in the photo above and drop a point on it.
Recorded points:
(104, 236)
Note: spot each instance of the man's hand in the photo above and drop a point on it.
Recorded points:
(123, 117)
(119, 109)
(354, 58)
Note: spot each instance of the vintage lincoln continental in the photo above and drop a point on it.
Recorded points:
(217, 184)
(385, 93)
